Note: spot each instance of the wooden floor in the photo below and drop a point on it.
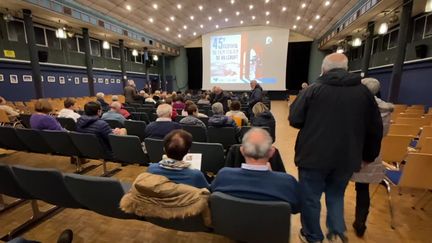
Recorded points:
(412, 225)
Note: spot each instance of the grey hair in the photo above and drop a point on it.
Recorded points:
(372, 84)
(131, 82)
(164, 110)
(114, 98)
(257, 150)
(217, 108)
(100, 95)
(116, 105)
(328, 64)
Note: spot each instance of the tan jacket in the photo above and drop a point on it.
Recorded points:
(156, 196)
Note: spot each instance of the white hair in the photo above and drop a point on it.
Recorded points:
(114, 98)
(100, 95)
(164, 110)
(116, 105)
(329, 64)
(130, 82)
(256, 150)
(217, 108)
(372, 84)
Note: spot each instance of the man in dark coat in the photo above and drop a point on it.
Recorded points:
(256, 95)
(220, 96)
(340, 128)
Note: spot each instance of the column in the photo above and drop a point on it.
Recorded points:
(33, 53)
(396, 76)
(122, 62)
(88, 61)
(368, 49)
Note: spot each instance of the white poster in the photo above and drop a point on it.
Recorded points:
(225, 59)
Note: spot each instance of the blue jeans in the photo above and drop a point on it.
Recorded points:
(313, 183)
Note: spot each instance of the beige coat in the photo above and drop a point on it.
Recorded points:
(374, 172)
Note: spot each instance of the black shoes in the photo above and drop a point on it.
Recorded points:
(65, 237)
(359, 229)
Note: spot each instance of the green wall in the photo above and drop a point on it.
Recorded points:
(315, 61)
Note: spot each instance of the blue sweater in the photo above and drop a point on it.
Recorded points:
(159, 129)
(92, 124)
(258, 185)
(190, 177)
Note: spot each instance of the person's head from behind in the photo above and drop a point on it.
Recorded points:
(235, 105)
(100, 95)
(115, 106)
(304, 85)
(203, 97)
(169, 100)
(43, 106)
(92, 108)
(257, 146)
(164, 111)
(177, 144)
(179, 99)
(69, 103)
(253, 84)
(372, 84)
(2, 101)
(334, 61)
(259, 108)
(192, 110)
(114, 98)
(188, 103)
(131, 83)
(217, 108)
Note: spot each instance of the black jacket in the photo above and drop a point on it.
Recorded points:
(222, 98)
(265, 119)
(340, 124)
(256, 96)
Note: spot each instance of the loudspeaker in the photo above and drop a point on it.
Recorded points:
(43, 56)
(421, 51)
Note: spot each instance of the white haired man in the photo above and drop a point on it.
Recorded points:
(255, 180)
(130, 93)
(163, 124)
(219, 119)
(256, 95)
(340, 126)
(100, 98)
(114, 113)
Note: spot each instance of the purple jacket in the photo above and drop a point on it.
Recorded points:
(44, 122)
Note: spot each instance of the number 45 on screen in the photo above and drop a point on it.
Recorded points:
(218, 42)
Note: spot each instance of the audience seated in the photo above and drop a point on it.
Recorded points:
(204, 100)
(219, 119)
(130, 93)
(9, 110)
(69, 110)
(192, 117)
(100, 98)
(41, 120)
(219, 95)
(255, 180)
(122, 111)
(114, 113)
(236, 112)
(178, 103)
(148, 98)
(262, 117)
(174, 113)
(188, 103)
(163, 124)
(176, 145)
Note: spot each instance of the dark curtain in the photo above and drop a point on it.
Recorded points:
(297, 64)
(195, 68)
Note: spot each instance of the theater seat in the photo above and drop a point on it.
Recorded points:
(128, 149)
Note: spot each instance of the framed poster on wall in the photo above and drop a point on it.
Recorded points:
(77, 81)
(27, 78)
(1, 78)
(100, 80)
(62, 80)
(13, 79)
(118, 80)
(112, 81)
(84, 80)
(106, 81)
(51, 79)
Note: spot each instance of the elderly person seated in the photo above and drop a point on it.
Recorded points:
(219, 119)
(204, 100)
(192, 118)
(236, 112)
(262, 117)
(255, 180)
(176, 145)
(69, 110)
(100, 98)
(114, 113)
(123, 111)
(12, 114)
(163, 124)
(130, 93)
(185, 113)
(41, 120)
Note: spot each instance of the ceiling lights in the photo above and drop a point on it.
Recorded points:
(356, 42)
(284, 9)
(209, 18)
(383, 28)
(105, 45)
(167, 29)
(241, 21)
(267, 1)
(179, 6)
(251, 7)
(128, 7)
(253, 17)
(327, 3)
(155, 6)
(310, 27)
(232, 1)
(179, 35)
(220, 10)
(192, 17)
(61, 33)
(303, 5)
(155, 58)
(226, 19)
(172, 18)
(194, 33)
(200, 7)
(298, 18)
(185, 27)
(428, 7)
(317, 17)
(237, 13)
(134, 52)
(267, 13)
(267, 22)
(151, 20)
(294, 26)
(201, 26)
(217, 26)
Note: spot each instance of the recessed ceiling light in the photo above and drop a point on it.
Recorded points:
(310, 27)
(284, 9)
(241, 21)
(226, 19)
(128, 7)
(201, 26)
(220, 10)
(327, 3)
(237, 13)
(155, 6)
(167, 29)
(179, 35)
(151, 20)
(172, 18)
(200, 7)
(217, 26)
(267, 13)
(298, 18)
(179, 6)
(253, 17)
(209, 18)
(232, 1)
(192, 17)
(250, 7)
(295, 27)
(185, 27)
(303, 5)
(194, 33)
(267, 22)
(317, 17)
(267, 1)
